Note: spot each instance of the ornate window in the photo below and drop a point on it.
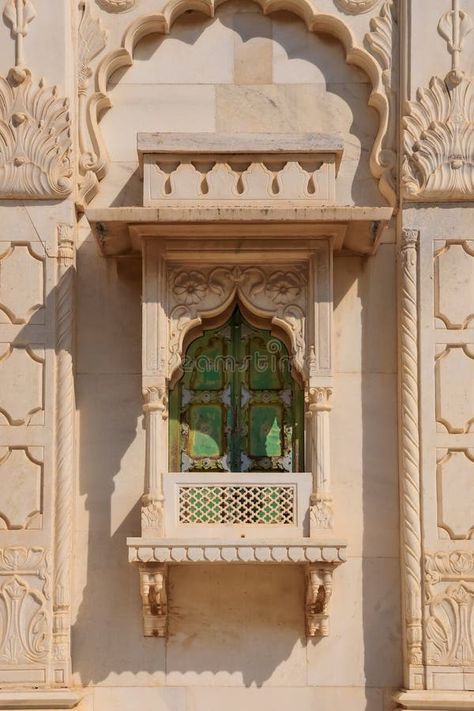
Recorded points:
(237, 407)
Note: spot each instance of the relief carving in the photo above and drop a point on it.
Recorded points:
(24, 614)
(35, 126)
(21, 474)
(382, 163)
(449, 579)
(116, 5)
(19, 306)
(454, 388)
(454, 283)
(439, 126)
(92, 41)
(318, 597)
(278, 295)
(356, 7)
(455, 484)
(410, 444)
(22, 386)
(153, 580)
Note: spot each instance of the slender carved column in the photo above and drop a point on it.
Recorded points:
(156, 417)
(318, 407)
(65, 409)
(410, 457)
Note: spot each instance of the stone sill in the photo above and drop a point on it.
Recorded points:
(261, 550)
(435, 700)
(39, 699)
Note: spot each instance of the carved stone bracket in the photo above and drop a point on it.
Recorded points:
(153, 584)
(318, 597)
(153, 559)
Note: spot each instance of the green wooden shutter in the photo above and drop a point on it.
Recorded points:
(237, 407)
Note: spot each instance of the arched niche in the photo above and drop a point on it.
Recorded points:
(94, 163)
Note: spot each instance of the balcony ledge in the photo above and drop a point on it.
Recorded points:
(153, 558)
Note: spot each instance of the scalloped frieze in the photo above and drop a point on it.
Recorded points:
(439, 141)
(25, 305)
(382, 162)
(21, 474)
(35, 139)
(22, 386)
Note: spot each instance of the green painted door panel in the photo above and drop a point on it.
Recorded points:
(237, 406)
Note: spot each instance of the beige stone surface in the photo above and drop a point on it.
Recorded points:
(383, 342)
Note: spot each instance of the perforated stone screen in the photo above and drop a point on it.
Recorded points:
(237, 504)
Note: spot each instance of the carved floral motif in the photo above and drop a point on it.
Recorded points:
(278, 295)
(449, 578)
(356, 7)
(116, 5)
(24, 615)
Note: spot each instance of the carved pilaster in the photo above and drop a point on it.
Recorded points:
(318, 408)
(410, 456)
(156, 418)
(153, 579)
(64, 485)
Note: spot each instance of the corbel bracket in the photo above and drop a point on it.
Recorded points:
(153, 583)
(318, 597)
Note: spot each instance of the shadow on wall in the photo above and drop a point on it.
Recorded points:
(284, 78)
(233, 624)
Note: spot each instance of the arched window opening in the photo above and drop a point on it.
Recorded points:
(237, 406)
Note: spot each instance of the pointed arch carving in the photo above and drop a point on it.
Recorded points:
(93, 163)
(276, 295)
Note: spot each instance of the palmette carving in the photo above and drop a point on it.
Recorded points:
(449, 578)
(439, 141)
(35, 139)
(410, 445)
(24, 611)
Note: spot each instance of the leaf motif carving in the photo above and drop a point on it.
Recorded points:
(35, 140)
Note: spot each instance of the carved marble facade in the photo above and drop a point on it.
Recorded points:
(311, 162)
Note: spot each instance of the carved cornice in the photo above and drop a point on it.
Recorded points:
(381, 162)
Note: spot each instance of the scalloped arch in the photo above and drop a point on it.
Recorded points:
(94, 165)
